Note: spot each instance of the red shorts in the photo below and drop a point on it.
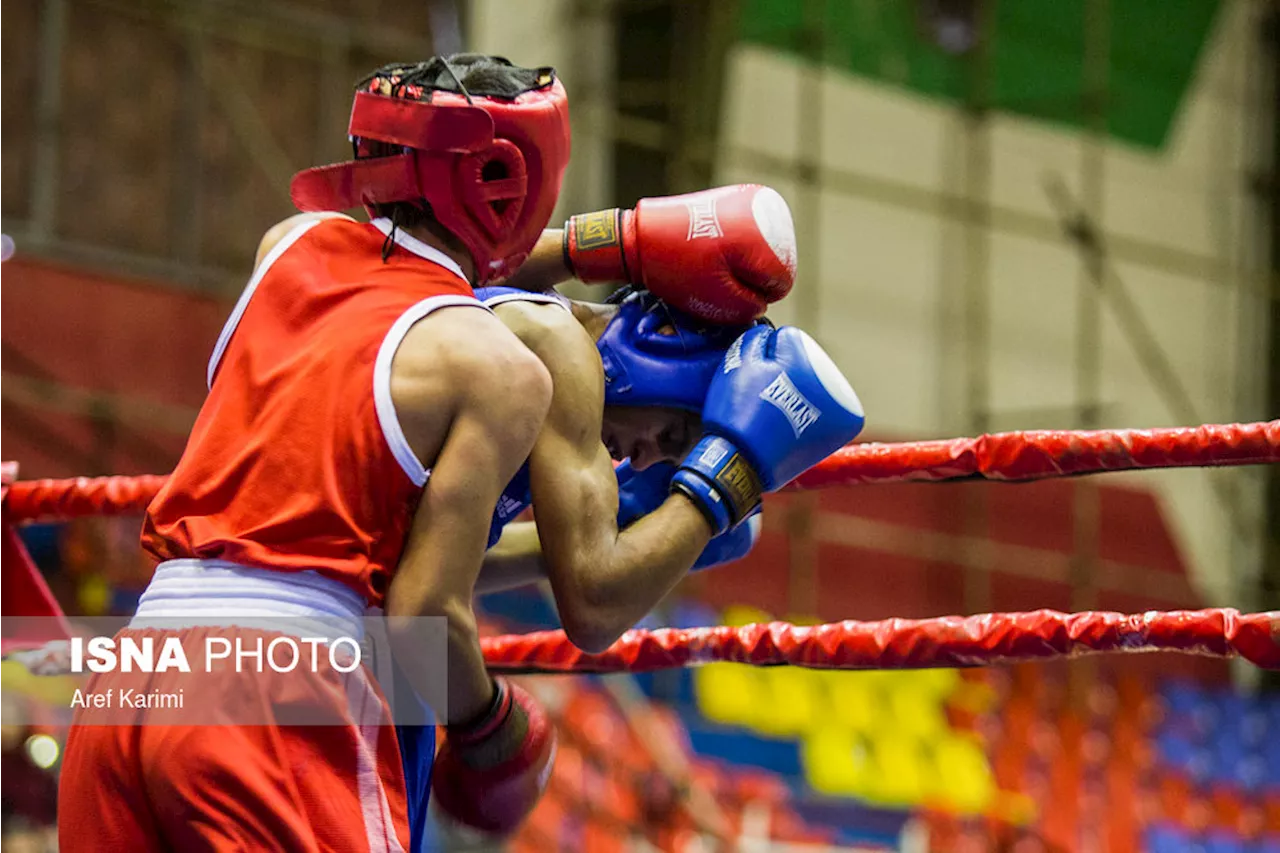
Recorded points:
(154, 784)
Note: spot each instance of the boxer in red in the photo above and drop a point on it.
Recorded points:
(366, 412)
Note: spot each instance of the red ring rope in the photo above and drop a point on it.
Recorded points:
(1010, 457)
(1014, 456)
(891, 643)
(52, 500)
(947, 641)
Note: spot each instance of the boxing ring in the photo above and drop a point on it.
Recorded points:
(979, 640)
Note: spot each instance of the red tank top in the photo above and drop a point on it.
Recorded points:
(296, 460)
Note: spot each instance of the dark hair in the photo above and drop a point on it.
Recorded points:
(476, 74)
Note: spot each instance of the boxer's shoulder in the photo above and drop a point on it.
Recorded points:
(551, 332)
(282, 229)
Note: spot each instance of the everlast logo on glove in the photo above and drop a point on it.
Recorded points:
(735, 479)
(745, 449)
(733, 358)
(703, 221)
(596, 230)
(787, 399)
(741, 485)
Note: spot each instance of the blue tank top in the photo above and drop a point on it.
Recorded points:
(515, 499)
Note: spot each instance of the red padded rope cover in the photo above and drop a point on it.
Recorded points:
(948, 641)
(51, 500)
(1014, 456)
(1006, 456)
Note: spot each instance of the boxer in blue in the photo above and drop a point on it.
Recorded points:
(743, 410)
(657, 367)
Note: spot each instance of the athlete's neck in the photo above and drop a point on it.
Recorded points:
(593, 316)
(438, 238)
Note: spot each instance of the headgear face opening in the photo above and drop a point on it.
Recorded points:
(654, 356)
(489, 165)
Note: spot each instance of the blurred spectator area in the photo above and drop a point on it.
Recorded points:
(1140, 753)
(93, 566)
(147, 147)
(162, 136)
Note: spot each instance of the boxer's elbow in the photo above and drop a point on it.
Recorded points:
(591, 620)
(592, 637)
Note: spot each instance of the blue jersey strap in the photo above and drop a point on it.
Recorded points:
(497, 295)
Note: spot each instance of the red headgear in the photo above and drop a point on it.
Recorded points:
(489, 165)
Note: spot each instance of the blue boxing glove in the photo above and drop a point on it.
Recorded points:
(778, 406)
(641, 492)
(733, 544)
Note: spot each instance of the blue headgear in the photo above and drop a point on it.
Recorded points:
(643, 366)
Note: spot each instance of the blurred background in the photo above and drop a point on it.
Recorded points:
(1012, 214)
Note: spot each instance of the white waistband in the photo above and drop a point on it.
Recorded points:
(189, 593)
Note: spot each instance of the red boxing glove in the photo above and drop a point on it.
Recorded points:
(489, 774)
(722, 255)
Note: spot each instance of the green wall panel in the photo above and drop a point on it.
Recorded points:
(1037, 55)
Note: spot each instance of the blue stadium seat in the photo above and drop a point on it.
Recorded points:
(1179, 755)
(1271, 758)
(1243, 715)
(1164, 838)
(1191, 711)
(1181, 697)
(1250, 773)
(1231, 705)
(738, 747)
(1253, 725)
(1271, 705)
(1227, 746)
(1270, 844)
(1222, 841)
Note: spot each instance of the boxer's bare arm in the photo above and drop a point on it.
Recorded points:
(545, 267)
(277, 232)
(604, 580)
(470, 399)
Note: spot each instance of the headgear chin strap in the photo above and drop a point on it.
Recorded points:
(490, 167)
(646, 364)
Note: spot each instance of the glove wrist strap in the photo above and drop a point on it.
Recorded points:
(726, 485)
(703, 496)
(593, 246)
(490, 720)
